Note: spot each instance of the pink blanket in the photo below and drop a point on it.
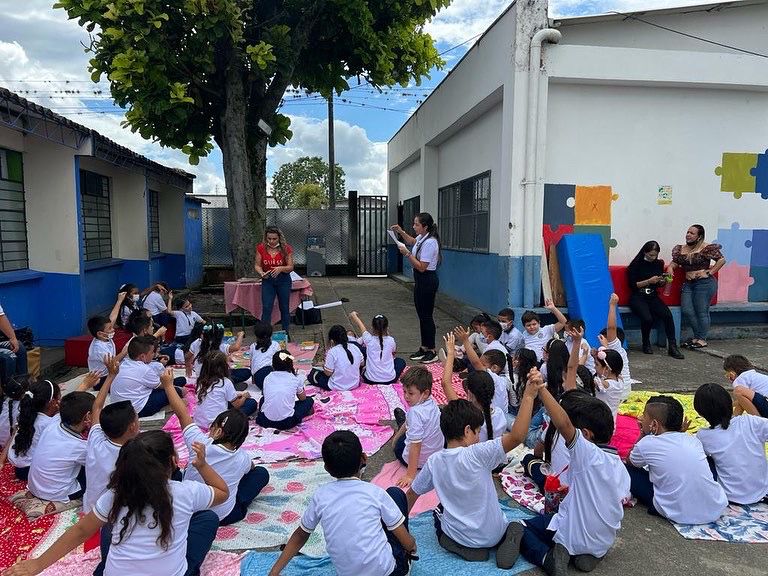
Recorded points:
(626, 435)
(437, 389)
(390, 473)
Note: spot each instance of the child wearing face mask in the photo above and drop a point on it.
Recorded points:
(511, 337)
(103, 331)
(129, 304)
(185, 317)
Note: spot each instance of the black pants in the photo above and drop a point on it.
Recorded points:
(649, 308)
(424, 292)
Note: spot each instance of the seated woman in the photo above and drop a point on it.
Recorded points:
(646, 274)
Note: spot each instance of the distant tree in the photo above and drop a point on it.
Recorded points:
(310, 196)
(305, 170)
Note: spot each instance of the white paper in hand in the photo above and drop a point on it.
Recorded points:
(394, 237)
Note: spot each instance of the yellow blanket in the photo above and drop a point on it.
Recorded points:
(635, 404)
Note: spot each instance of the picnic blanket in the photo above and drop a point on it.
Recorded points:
(433, 559)
(635, 404)
(521, 489)
(436, 369)
(390, 473)
(739, 523)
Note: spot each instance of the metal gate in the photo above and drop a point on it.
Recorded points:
(372, 235)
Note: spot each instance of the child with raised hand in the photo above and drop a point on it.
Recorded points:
(469, 521)
(343, 362)
(186, 318)
(38, 408)
(736, 445)
(128, 305)
(262, 351)
(216, 392)
(223, 451)
(418, 435)
(492, 362)
(585, 354)
(511, 337)
(354, 515)
(750, 387)
(154, 301)
(103, 331)
(285, 403)
(536, 336)
(613, 337)
(211, 339)
(381, 365)
(609, 384)
(159, 527)
(585, 526)
(669, 469)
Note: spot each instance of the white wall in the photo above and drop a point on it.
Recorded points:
(171, 205)
(409, 181)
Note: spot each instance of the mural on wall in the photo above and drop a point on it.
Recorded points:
(745, 277)
(743, 173)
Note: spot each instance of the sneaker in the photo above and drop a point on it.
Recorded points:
(585, 562)
(469, 554)
(399, 417)
(509, 549)
(441, 356)
(429, 357)
(556, 561)
(418, 355)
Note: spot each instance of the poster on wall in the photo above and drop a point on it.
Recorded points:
(664, 196)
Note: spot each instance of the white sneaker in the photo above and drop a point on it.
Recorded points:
(441, 355)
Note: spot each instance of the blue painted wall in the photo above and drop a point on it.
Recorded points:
(101, 281)
(193, 243)
(474, 278)
(170, 268)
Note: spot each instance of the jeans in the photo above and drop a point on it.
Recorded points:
(12, 363)
(301, 410)
(157, 400)
(399, 367)
(694, 303)
(401, 557)
(537, 539)
(532, 466)
(240, 375)
(399, 449)
(248, 488)
(259, 375)
(249, 406)
(424, 292)
(534, 429)
(642, 487)
(279, 287)
(649, 308)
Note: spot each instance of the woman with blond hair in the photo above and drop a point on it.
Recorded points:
(274, 264)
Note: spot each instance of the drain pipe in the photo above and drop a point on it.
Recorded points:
(529, 184)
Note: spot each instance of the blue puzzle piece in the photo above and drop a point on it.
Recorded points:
(736, 244)
(759, 246)
(758, 292)
(557, 211)
(760, 172)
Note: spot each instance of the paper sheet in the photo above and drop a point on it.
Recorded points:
(394, 237)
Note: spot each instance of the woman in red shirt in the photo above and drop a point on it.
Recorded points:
(274, 264)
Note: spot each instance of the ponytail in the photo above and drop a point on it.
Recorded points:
(339, 336)
(480, 384)
(34, 401)
(426, 220)
(380, 325)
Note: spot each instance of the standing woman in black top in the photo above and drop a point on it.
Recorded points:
(646, 276)
(424, 257)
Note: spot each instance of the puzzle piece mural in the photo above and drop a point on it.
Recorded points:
(735, 173)
(558, 204)
(736, 243)
(552, 235)
(593, 205)
(758, 244)
(604, 231)
(758, 292)
(733, 282)
(760, 174)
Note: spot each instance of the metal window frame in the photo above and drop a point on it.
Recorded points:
(154, 221)
(450, 215)
(15, 263)
(96, 246)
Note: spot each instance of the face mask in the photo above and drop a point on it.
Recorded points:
(110, 335)
(135, 297)
(649, 258)
(505, 326)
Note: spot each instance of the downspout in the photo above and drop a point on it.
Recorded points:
(530, 183)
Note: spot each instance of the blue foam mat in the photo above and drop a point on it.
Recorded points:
(432, 558)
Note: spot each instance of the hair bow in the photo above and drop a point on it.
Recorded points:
(285, 356)
(379, 316)
(601, 352)
(207, 328)
(29, 394)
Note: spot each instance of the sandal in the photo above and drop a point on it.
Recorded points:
(695, 345)
(687, 344)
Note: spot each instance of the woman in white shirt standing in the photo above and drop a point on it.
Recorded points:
(381, 365)
(424, 257)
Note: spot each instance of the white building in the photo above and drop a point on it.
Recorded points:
(630, 115)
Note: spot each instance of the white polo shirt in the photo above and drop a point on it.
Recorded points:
(231, 465)
(101, 455)
(753, 380)
(430, 251)
(560, 460)
(135, 382)
(537, 341)
(683, 488)
(498, 422)
(56, 463)
(423, 426)
(379, 362)
(500, 390)
(96, 352)
(155, 303)
(261, 359)
(351, 513)
(612, 395)
(185, 322)
(139, 551)
(739, 455)
(462, 478)
(215, 402)
(615, 344)
(345, 376)
(513, 340)
(42, 421)
(280, 390)
(590, 363)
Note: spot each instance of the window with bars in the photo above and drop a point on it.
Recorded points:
(463, 214)
(14, 254)
(154, 222)
(97, 215)
(411, 207)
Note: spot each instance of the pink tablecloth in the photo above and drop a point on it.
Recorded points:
(247, 295)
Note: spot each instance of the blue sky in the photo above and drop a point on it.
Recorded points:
(42, 58)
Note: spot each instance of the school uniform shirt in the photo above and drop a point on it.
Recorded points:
(41, 423)
(478, 341)
(101, 455)
(6, 416)
(753, 380)
(215, 402)
(500, 390)
(739, 455)
(139, 551)
(560, 459)
(155, 303)
(625, 377)
(351, 513)
(135, 382)
(125, 313)
(56, 463)
(430, 251)
(497, 345)
(590, 363)
(498, 423)
(96, 352)
(612, 395)
(379, 361)
(462, 478)
(513, 340)
(194, 348)
(345, 376)
(423, 425)
(185, 322)
(280, 390)
(683, 488)
(261, 359)
(231, 465)
(590, 514)
(537, 341)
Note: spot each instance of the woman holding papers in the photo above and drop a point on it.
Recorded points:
(274, 264)
(424, 257)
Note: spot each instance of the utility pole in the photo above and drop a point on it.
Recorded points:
(331, 157)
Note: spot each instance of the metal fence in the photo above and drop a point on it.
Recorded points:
(297, 224)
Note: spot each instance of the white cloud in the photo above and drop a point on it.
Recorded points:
(560, 8)
(464, 19)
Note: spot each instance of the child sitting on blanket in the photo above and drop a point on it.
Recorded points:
(493, 362)
(216, 393)
(11, 393)
(418, 435)
(211, 338)
(736, 445)
(343, 363)
(381, 365)
(585, 526)
(511, 337)
(262, 351)
(285, 403)
(609, 384)
(750, 387)
(38, 408)
(585, 354)
(669, 469)
(612, 337)
(353, 515)
(536, 335)
(469, 520)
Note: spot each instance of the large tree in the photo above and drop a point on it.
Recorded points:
(194, 72)
(305, 170)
